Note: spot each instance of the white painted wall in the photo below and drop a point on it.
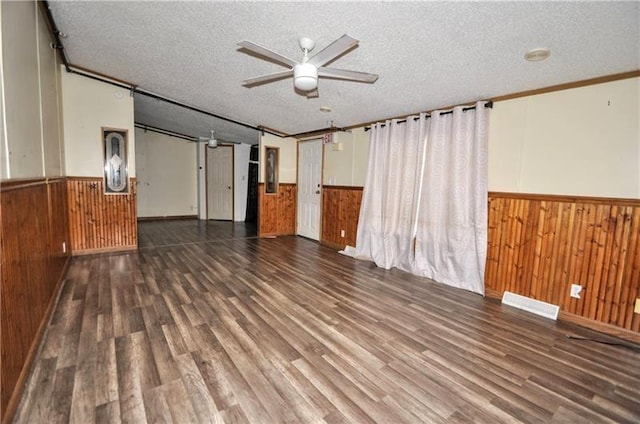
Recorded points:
(241, 155)
(345, 161)
(287, 160)
(202, 180)
(166, 174)
(31, 144)
(49, 65)
(583, 141)
(88, 106)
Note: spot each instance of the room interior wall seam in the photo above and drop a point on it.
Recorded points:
(5, 140)
(523, 143)
(60, 114)
(38, 61)
(638, 129)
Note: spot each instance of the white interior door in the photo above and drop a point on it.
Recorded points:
(220, 183)
(309, 188)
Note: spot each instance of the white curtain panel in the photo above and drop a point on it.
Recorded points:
(388, 209)
(424, 205)
(451, 237)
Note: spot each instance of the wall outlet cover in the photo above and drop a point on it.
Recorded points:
(575, 291)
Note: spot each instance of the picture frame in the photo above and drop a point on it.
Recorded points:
(116, 173)
(271, 169)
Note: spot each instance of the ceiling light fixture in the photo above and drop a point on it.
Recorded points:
(537, 55)
(305, 76)
(325, 109)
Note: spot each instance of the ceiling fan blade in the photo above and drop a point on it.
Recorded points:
(265, 52)
(347, 75)
(333, 50)
(312, 94)
(263, 79)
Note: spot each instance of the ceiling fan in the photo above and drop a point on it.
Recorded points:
(305, 73)
(212, 142)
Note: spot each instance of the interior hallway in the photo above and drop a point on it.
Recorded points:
(241, 329)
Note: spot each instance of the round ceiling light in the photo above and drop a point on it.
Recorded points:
(305, 76)
(537, 55)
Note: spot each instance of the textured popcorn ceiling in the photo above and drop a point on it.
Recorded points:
(428, 54)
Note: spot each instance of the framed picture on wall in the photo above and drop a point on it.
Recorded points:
(116, 175)
(271, 170)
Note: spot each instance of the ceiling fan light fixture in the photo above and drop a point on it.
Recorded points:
(305, 77)
(213, 143)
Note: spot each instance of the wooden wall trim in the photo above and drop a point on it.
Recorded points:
(75, 178)
(166, 218)
(509, 96)
(565, 198)
(100, 250)
(342, 187)
(10, 185)
(570, 85)
(609, 329)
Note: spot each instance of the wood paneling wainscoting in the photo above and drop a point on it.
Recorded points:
(540, 245)
(101, 222)
(340, 211)
(277, 212)
(34, 227)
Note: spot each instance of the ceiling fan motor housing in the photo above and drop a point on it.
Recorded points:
(305, 76)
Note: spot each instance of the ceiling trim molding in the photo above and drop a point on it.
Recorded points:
(569, 85)
(162, 131)
(549, 89)
(82, 71)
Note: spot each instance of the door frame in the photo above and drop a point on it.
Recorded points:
(233, 182)
(321, 182)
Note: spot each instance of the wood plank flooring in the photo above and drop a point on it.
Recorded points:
(170, 232)
(284, 330)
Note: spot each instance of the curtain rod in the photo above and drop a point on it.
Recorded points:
(133, 89)
(488, 105)
(164, 132)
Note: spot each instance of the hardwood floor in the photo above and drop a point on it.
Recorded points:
(285, 330)
(170, 232)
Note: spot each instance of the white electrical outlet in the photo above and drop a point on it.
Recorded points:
(575, 290)
(342, 233)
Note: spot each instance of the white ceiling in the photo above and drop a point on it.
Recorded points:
(428, 55)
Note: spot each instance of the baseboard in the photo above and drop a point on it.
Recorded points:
(115, 249)
(332, 245)
(493, 294)
(608, 329)
(272, 235)
(166, 218)
(34, 349)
